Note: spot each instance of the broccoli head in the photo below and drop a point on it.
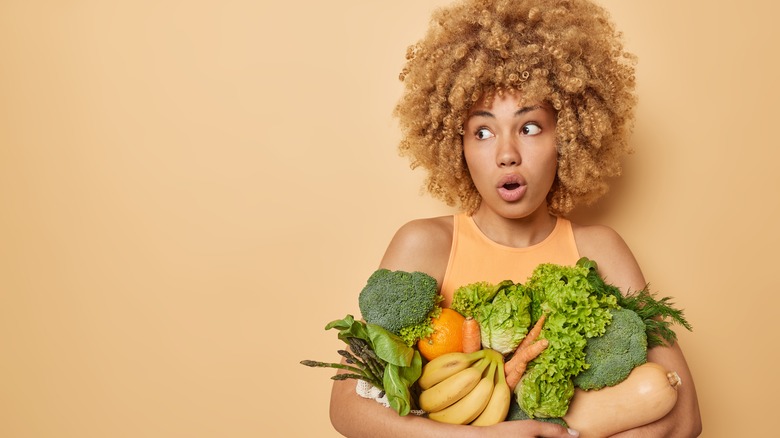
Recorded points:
(401, 302)
(613, 355)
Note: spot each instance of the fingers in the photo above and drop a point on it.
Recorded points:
(550, 430)
(533, 428)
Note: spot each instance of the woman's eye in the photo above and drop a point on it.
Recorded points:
(483, 133)
(531, 129)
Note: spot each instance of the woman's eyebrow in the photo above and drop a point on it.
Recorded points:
(520, 112)
(527, 109)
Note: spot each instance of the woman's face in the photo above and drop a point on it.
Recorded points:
(511, 155)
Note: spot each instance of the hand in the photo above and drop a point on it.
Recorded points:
(530, 429)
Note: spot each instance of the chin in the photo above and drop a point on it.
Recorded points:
(524, 212)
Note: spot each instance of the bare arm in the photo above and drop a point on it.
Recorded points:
(418, 246)
(354, 416)
(618, 266)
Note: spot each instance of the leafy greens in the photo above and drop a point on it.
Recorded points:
(575, 312)
(378, 357)
(502, 311)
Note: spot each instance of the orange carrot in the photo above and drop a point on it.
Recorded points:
(533, 334)
(515, 367)
(471, 336)
(527, 351)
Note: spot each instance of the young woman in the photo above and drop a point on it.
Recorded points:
(519, 110)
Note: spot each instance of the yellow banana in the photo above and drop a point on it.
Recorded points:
(445, 366)
(453, 388)
(498, 406)
(471, 405)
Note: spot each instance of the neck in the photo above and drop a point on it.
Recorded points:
(515, 232)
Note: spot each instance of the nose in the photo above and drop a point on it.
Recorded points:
(508, 153)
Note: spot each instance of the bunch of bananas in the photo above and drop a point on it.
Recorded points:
(465, 388)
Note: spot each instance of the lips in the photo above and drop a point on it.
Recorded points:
(511, 188)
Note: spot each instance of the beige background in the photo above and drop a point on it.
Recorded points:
(190, 191)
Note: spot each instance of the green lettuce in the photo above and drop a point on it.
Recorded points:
(575, 312)
(502, 311)
(542, 397)
(467, 299)
(504, 322)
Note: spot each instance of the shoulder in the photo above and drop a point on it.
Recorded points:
(616, 262)
(594, 237)
(421, 245)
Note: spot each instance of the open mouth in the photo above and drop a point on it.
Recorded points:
(512, 188)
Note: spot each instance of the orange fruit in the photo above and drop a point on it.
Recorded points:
(447, 335)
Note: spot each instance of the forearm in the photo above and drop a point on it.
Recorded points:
(684, 420)
(355, 416)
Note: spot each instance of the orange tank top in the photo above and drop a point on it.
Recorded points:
(474, 257)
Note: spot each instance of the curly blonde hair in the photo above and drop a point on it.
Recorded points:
(565, 52)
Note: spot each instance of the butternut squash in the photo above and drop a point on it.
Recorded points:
(646, 395)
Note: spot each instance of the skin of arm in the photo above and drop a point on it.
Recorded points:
(421, 245)
(618, 266)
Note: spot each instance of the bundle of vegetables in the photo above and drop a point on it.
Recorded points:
(378, 357)
(564, 331)
(596, 335)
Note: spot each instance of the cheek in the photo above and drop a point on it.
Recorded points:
(553, 160)
(472, 161)
(548, 165)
